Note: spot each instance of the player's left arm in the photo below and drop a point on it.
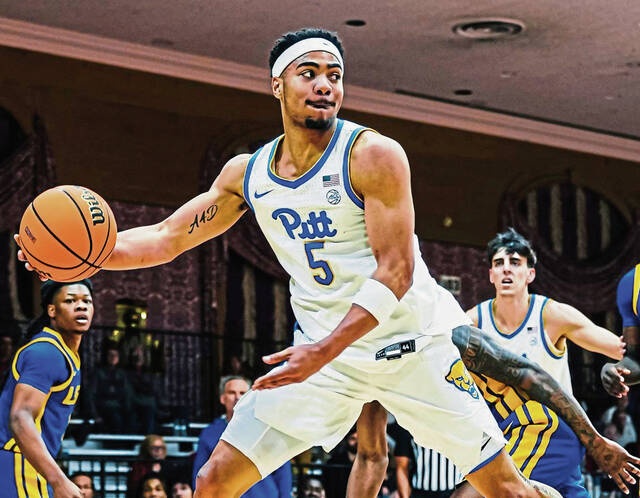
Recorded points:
(379, 175)
(27, 403)
(564, 320)
(482, 355)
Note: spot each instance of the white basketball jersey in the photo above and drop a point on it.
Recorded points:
(315, 225)
(529, 339)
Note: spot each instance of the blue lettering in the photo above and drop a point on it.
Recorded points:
(325, 223)
(307, 231)
(289, 224)
(316, 227)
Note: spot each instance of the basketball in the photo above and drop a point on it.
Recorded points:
(67, 233)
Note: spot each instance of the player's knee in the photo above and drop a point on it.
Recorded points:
(211, 483)
(375, 457)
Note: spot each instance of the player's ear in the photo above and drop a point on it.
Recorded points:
(51, 310)
(531, 276)
(276, 87)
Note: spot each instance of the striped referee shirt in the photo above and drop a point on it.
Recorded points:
(430, 471)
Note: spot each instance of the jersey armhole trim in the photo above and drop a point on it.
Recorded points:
(246, 177)
(346, 167)
(59, 387)
(553, 351)
(636, 289)
(479, 308)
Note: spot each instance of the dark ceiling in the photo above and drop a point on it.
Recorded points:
(575, 62)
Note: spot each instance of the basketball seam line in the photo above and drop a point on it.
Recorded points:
(86, 225)
(83, 260)
(109, 215)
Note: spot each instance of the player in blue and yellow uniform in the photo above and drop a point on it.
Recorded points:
(617, 377)
(541, 444)
(40, 393)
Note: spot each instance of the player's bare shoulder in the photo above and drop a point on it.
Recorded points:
(377, 160)
(231, 178)
(472, 313)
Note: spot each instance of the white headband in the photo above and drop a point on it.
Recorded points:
(304, 47)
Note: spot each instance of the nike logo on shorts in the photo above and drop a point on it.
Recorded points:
(257, 195)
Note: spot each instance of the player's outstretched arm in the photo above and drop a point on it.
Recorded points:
(202, 218)
(576, 327)
(27, 404)
(380, 175)
(483, 355)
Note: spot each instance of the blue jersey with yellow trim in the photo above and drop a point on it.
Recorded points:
(540, 443)
(47, 364)
(627, 297)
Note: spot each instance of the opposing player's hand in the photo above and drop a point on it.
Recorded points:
(615, 461)
(66, 489)
(612, 377)
(22, 258)
(302, 361)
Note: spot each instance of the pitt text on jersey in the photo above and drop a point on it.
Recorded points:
(317, 226)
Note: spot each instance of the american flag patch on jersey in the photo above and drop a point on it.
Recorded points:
(331, 180)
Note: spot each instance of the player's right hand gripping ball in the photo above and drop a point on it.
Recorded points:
(67, 233)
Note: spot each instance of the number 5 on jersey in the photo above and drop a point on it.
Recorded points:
(326, 276)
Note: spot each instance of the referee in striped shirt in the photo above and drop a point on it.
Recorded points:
(421, 472)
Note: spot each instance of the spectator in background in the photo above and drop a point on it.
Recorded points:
(152, 486)
(84, 483)
(179, 479)
(232, 388)
(311, 487)
(342, 457)
(153, 451)
(239, 367)
(111, 392)
(617, 416)
(6, 352)
(146, 389)
(181, 489)
(421, 472)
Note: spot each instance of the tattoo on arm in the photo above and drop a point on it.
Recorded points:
(201, 218)
(483, 356)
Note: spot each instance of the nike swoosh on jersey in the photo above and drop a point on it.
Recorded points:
(257, 195)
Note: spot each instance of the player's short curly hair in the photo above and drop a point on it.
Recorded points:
(512, 242)
(288, 39)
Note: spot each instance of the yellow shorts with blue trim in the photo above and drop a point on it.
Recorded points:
(18, 478)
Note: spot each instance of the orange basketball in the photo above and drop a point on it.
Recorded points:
(67, 233)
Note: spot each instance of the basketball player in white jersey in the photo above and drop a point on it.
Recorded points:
(334, 201)
(537, 328)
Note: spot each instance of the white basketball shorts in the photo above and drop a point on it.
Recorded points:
(431, 394)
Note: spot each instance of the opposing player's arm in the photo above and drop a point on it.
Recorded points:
(484, 356)
(27, 404)
(631, 337)
(202, 218)
(563, 320)
(617, 377)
